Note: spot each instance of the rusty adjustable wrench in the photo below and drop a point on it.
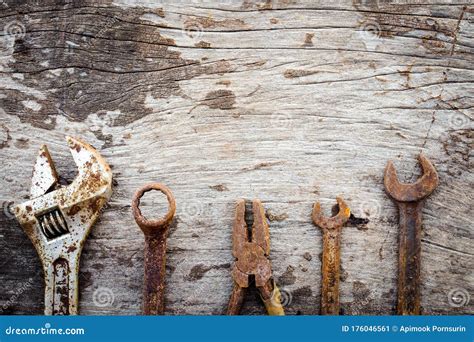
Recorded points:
(410, 199)
(155, 232)
(331, 261)
(58, 219)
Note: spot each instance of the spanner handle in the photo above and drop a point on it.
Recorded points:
(155, 272)
(61, 287)
(409, 258)
(331, 262)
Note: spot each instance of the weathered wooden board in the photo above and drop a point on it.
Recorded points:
(290, 101)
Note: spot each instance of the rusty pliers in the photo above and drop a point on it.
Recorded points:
(252, 261)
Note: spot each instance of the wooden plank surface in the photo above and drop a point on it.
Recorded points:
(288, 101)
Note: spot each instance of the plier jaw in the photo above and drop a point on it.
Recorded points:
(252, 260)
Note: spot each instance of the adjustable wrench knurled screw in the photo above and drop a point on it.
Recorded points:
(410, 199)
(331, 261)
(155, 232)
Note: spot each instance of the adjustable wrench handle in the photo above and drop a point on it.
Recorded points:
(61, 287)
(155, 272)
(331, 263)
(409, 258)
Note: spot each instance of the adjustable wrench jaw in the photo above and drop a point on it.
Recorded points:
(58, 221)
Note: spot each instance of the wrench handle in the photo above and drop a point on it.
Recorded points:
(155, 272)
(409, 258)
(61, 287)
(331, 262)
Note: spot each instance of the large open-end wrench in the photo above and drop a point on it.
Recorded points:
(410, 198)
(331, 261)
(58, 219)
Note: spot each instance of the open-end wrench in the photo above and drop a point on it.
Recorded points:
(410, 198)
(331, 261)
(58, 219)
(155, 232)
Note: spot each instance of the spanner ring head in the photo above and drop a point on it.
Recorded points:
(145, 224)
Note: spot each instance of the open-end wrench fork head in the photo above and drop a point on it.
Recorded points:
(58, 219)
(333, 222)
(403, 192)
(410, 198)
(331, 258)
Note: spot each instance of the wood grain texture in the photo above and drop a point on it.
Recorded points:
(289, 101)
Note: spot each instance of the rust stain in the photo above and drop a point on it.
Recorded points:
(275, 217)
(295, 73)
(288, 278)
(224, 82)
(260, 5)
(219, 187)
(202, 44)
(219, 99)
(199, 23)
(200, 270)
(308, 40)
